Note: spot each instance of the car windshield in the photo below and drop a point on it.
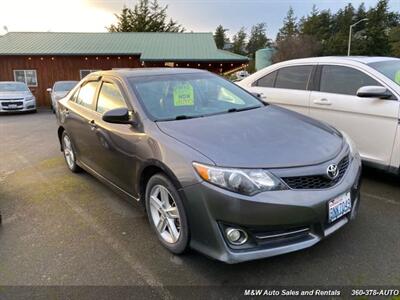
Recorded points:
(389, 68)
(183, 96)
(13, 87)
(64, 86)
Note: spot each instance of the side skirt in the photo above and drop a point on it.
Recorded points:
(104, 180)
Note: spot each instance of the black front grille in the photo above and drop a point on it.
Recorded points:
(6, 104)
(317, 181)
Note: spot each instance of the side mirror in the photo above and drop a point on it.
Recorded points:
(118, 116)
(260, 96)
(49, 90)
(373, 91)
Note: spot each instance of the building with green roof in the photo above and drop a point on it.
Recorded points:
(41, 58)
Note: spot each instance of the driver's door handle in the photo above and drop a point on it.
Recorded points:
(322, 101)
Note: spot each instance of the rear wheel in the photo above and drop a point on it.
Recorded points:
(166, 214)
(69, 153)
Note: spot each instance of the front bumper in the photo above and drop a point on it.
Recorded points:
(17, 106)
(276, 222)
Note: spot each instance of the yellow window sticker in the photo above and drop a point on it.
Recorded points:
(183, 95)
(397, 77)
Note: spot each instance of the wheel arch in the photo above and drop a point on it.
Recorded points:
(151, 168)
(60, 131)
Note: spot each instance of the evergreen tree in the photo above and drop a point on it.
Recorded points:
(359, 37)
(378, 29)
(289, 28)
(341, 21)
(330, 32)
(220, 37)
(258, 39)
(123, 23)
(239, 42)
(317, 24)
(145, 16)
(394, 40)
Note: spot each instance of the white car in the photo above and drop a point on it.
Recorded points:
(60, 90)
(16, 97)
(358, 95)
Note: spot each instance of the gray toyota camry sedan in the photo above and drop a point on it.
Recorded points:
(216, 169)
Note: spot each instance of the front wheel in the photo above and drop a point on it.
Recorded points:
(166, 214)
(69, 153)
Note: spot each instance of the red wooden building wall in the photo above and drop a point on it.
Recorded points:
(55, 68)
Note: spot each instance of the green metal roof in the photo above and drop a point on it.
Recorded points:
(150, 46)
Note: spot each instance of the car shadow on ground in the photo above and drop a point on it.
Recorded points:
(381, 176)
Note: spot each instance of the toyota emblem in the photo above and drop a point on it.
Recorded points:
(332, 171)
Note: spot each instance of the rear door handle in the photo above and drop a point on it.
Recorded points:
(322, 101)
(92, 125)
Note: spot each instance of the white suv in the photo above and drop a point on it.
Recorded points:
(358, 95)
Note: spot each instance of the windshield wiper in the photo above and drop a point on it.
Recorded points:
(242, 109)
(185, 117)
(180, 117)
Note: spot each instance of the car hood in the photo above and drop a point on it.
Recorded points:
(60, 94)
(14, 95)
(268, 137)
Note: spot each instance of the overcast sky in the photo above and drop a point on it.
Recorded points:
(195, 15)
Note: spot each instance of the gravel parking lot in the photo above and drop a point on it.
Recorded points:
(61, 228)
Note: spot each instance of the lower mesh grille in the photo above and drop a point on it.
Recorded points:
(317, 181)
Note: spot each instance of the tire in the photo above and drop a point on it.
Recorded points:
(69, 153)
(173, 216)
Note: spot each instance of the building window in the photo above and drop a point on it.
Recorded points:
(27, 76)
(84, 73)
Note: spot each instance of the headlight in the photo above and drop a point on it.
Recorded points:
(352, 145)
(29, 98)
(243, 181)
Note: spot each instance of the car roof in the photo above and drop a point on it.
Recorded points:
(325, 59)
(127, 72)
(65, 81)
(8, 82)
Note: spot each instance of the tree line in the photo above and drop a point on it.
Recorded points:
(321, 32)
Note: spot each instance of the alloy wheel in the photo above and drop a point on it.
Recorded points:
(165, 214)
(68, 152)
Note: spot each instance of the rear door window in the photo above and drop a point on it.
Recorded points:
(344, 80)
(295, 78)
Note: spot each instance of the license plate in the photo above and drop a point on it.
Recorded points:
(12, 106)
(339, 206)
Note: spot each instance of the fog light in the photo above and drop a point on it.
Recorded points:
(236, 236)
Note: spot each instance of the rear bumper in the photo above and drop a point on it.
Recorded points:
(276, 222)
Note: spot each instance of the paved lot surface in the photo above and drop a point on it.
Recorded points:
(61, 228)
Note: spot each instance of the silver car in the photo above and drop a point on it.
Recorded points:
(60, 90)
(16, 96)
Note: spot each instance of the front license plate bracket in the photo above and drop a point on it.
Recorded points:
(339, 207)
